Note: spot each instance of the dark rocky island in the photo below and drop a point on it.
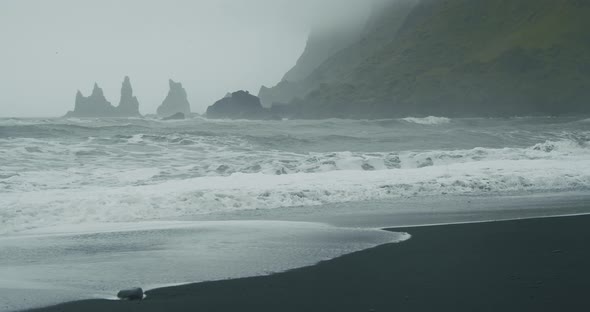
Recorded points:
(175, 102)
(96, 105)
(239, 105)
(454, 58)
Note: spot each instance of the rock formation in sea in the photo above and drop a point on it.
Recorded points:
(95, 105)
(454, 58)
(175, 102)
(240, 105)
(128, 104)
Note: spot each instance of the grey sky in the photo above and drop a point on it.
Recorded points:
(50, 49)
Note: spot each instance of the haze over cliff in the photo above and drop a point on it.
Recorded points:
(454, 58)
(333, 50)
(323, 42)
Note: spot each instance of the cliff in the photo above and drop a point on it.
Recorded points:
(458, 58)
(323, 42)
(175, 102)
(331, 52)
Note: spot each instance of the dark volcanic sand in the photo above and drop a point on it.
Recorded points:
(524, 265)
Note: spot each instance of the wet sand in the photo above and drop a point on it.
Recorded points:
(522, 265)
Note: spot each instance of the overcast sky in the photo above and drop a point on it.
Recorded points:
(50, 49)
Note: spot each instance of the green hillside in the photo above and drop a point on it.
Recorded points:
(460, 58)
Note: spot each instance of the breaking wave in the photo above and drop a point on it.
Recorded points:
(66, 171)
(273, 181)
(430, 120)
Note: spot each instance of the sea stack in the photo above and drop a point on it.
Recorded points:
(128, 105)
(176, 101)
(95, 105)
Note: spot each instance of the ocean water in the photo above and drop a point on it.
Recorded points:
(90, 206)
(67, 263)
(56, 172)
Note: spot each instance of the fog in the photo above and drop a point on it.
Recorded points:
(50, 49)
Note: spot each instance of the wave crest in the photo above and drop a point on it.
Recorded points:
(243, 191)
(430, 120)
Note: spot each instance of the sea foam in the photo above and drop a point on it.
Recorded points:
(69, 172)
(239, 191)
(430, 120)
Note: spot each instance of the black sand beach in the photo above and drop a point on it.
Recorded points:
(523, 265)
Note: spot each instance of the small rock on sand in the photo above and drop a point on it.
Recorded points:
(130, 294)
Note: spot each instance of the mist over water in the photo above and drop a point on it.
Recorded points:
(211, 46)
(72, 171)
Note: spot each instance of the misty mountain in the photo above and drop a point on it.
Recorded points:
(322, 43)
(455, 58)
(324, 56)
